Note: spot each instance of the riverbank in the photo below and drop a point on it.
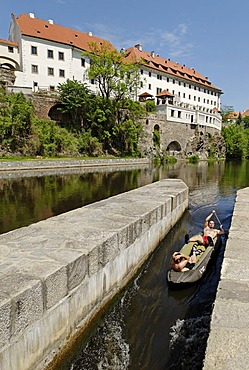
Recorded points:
(32, 165)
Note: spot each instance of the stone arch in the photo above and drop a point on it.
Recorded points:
(8, 66)
(174, 146)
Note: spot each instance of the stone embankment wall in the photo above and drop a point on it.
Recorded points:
(227, 346)
(55, 275)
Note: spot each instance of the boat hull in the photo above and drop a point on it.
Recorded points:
(191, 276)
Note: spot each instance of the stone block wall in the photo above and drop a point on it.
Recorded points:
(58, 273)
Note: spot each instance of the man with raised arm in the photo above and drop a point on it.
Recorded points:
(209, 229)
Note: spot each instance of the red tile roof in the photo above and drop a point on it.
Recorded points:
(46, 30)
(154, 61)
(164, 93)
(10, 43)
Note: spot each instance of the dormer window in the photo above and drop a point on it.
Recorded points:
(10, 49)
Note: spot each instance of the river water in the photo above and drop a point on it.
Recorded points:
(149, 326)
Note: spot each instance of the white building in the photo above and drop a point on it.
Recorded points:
(182, 94)
(50, 54)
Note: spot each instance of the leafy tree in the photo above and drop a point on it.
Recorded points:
(116, 79)
(76, 101)
(236, 141)
(245, 122)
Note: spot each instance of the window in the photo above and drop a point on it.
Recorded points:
(141, 84)
(61, 55)
(179, 114)
(50, 71)
(34, 68)
(149, 86)
(51, 88)
(172, 113)
(61, 72)
(83, 62)
(184, 95)
(173, 81)
(10, 49)
(179, 83)
(189, 97)
(141, 71)
(50, 54)
(34, 50)
(92, 81)
(149, 74)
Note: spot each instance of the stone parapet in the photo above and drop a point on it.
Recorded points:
(227, 346)
(58, 273)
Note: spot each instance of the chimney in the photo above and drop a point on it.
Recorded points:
(139, 47)
(89, 33)
(152, 54)
(51, 21)
(31, 15)
(122, 51)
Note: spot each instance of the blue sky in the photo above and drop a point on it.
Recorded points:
(210, 36)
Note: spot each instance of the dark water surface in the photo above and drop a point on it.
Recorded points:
(149, 326)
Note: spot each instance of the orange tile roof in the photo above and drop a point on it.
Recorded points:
(46, 30)
(145, 94)
(245, 113)
(164, 93)
(10, 43)
(166, 65)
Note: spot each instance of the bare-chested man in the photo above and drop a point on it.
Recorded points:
(209, 232)
(209, 229)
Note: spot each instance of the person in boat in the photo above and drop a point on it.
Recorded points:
(209, 233)
(181, 262)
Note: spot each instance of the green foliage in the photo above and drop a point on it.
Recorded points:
(236, 141)
(52, 140)
(150, 106)
(193, 159)
(115, 79)
(245, 122)
(76, 101)
(16, 114)
(156, 138)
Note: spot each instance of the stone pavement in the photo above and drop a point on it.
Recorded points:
(228, 342)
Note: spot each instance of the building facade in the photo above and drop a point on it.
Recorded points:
(49, 54)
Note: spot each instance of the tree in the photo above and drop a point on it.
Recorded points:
(245, 122)
(76, 100)
(116, 79)
(236, 141)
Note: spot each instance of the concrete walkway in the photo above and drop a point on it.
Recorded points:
(228, 343)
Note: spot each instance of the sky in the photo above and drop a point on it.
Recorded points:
(210, 36)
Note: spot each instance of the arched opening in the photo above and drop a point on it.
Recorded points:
(55, 113)
(173, 147)
(156, 136)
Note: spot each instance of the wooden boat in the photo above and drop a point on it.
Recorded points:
(179, 278)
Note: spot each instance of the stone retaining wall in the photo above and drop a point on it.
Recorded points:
(58, 273)
(227, 347)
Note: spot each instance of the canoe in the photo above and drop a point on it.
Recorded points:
(178, 278)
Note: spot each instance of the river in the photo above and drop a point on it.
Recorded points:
(149, 326)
